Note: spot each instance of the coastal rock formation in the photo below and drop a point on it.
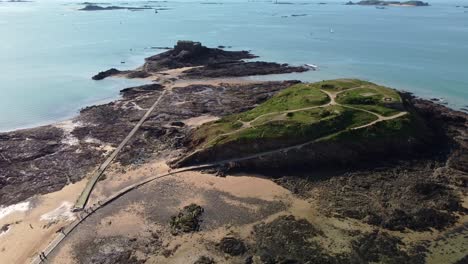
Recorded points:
(191, 54)
(237, 69)
(27, 156)
(104, 74)
(203, 62)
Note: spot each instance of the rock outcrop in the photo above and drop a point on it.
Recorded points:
(104, 74)
(191, 54)
(203, 62)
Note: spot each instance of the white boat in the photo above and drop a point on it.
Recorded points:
(331, 30)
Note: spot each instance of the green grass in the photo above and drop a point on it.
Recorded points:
(302, 126)
(373, 98)
(210, 130)
(278, 122)
(295, 97)
(340, 84)
(408, 126)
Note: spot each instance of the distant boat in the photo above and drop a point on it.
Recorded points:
(380, 7)
(331, 30)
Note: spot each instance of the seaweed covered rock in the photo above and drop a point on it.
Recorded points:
(187, 220)
(290, 240)
(412, 194)
(232, 246)
(380, 247)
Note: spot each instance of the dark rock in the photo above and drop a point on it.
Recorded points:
(237, 69)
(232, 246)
(162, 48)
(104, 74)
(4, 228)
(378, 247)
(287, 240)
(463, 260)
(140, 90)
(26, 159)
(187, 220)
(204, 260)
(189, 54)
(178, 124)
(94, 7)
(93, 3)
(138, 74)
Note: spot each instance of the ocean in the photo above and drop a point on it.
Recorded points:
(49, 50)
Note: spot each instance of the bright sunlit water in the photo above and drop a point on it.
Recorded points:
(49, 50)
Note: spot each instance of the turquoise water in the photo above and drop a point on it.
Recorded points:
(49, 51)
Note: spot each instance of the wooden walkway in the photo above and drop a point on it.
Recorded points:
(83, 199)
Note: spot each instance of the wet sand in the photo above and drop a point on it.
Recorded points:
(37, 226)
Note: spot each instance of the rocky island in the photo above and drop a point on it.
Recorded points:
(95, 7)
(389, 3)
(197, 61)
(223, 169)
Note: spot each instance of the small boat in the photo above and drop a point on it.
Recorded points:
(122, 62)
(380, 7)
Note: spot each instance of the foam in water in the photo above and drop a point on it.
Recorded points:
(19, 207)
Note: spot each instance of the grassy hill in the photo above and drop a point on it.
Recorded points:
(327, 111)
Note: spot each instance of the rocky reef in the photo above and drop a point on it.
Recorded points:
(44, 157)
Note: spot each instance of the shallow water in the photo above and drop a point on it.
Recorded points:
(49, 50)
